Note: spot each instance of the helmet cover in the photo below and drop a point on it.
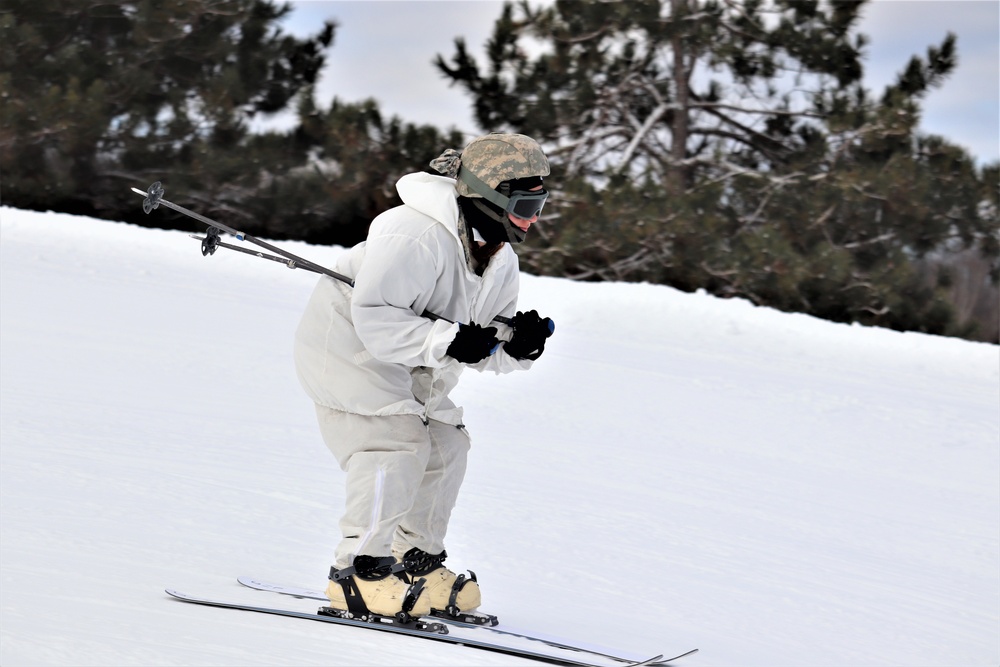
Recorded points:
(499, 157)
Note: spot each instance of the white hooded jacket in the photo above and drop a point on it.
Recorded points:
(369, 350)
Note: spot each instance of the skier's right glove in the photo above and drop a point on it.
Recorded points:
(530, 332)
(473, 343)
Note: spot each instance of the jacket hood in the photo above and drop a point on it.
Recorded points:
(434, 196)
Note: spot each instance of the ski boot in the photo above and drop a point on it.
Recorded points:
(454, 596)
(368, 591)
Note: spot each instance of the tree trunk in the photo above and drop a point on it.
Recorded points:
(677, 177)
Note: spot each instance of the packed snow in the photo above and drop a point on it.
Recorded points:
(677, 471)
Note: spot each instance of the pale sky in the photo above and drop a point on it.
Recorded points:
(384, 49)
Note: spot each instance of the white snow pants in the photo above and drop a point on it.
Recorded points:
(403, 479)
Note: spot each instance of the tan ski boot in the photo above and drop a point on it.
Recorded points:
(370, 587)
(450, 594)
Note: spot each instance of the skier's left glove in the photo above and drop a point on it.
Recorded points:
(530, 332)
(473, 343)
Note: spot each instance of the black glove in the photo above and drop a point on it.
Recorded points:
(473, 343)
(530, 332)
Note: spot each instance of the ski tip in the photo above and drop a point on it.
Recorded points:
(665, 663)
(174, 593)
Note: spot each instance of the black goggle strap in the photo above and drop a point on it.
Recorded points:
(481, 187)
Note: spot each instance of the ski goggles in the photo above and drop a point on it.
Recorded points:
(524, 204)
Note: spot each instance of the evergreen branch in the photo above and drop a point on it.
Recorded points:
(824, 216)
(751, 137)
(867, 242)
(640, 134)
(769, 112)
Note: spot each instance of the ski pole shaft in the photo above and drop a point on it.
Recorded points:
(154, 198)
(292, 264)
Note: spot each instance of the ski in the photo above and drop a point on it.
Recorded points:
(432, 631)
(308, 594)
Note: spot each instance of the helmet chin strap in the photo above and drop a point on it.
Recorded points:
(498, 228)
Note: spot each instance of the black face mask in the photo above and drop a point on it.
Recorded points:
(491, 221)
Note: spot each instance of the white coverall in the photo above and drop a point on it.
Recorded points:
(379, 373)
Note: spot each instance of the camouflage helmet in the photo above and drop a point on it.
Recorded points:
(498, 157)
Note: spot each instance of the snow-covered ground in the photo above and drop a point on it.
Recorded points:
(677, 471)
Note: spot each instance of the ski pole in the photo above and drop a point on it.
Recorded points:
(211, 241)
(154, 198)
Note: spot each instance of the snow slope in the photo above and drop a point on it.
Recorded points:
(677, 471)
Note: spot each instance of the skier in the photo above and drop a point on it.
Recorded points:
(379, 361)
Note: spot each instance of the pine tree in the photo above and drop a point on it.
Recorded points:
(101, 96)
(667, 90)
(354, 156)
(732, 147)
